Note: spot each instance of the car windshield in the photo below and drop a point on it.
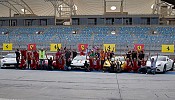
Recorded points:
(160, 58)
(10, 56)
(80, 58)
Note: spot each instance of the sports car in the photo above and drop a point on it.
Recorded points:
(78, 62)
(9, 60)
(163, 64)
(122, 60)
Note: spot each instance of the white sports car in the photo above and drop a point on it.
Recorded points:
(163, 64)
(78, 62)
(9, 60)
(120, 58)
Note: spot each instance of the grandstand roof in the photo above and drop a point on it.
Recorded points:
(85, 7)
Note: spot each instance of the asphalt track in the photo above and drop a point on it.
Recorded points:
(79, 85)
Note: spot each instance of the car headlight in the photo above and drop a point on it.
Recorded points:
(159, 65)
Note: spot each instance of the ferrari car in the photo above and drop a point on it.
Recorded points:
(78, 62)
(9, 60)
(163, 64)
(122, 60)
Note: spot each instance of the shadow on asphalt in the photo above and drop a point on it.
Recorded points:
(79, 70)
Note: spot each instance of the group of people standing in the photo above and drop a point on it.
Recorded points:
(41, 60)
(134, 60)
(27, 59)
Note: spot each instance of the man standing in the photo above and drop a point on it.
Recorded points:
(42, 56)
(74, 53)
(29, 58)
(141, 55)
(102, 58)
(17, 58)
(67, 56)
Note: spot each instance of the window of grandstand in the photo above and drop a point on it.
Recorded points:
(109, 21)
(145, 21)
(118, 21)
(127, 21)
(13, 22)
(92, 21)
(75, 21)
(101, 21)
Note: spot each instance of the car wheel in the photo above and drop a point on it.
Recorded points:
(164, 69)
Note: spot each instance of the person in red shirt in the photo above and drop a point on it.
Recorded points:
(29, 58)
(135, 65)
(91, 61)
(35, 60)
(143, 68)
(34, 63)
(23, 63)
(128, 65)
(61, 63)
(98, 67)
(57, 56)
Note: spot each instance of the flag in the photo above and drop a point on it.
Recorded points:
(139, 47)
(109, 47)
(82, 47)
(168, 48)
(55, 47)
(31, 47)
(7, 46)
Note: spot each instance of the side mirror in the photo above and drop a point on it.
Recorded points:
(3, 56)
(167, 59)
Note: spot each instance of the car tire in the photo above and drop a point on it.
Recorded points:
(164, 69)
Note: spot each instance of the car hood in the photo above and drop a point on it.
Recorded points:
(78, 61)
(6, 59)
(157, 63)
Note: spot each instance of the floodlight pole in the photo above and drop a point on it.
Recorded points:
(104, 6)
(10, 12)
(122, 6)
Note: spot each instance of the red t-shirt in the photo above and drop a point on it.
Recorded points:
(143, 63)
(58, 54)
(23, 61)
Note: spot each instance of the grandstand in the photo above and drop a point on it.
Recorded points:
(152, 36)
